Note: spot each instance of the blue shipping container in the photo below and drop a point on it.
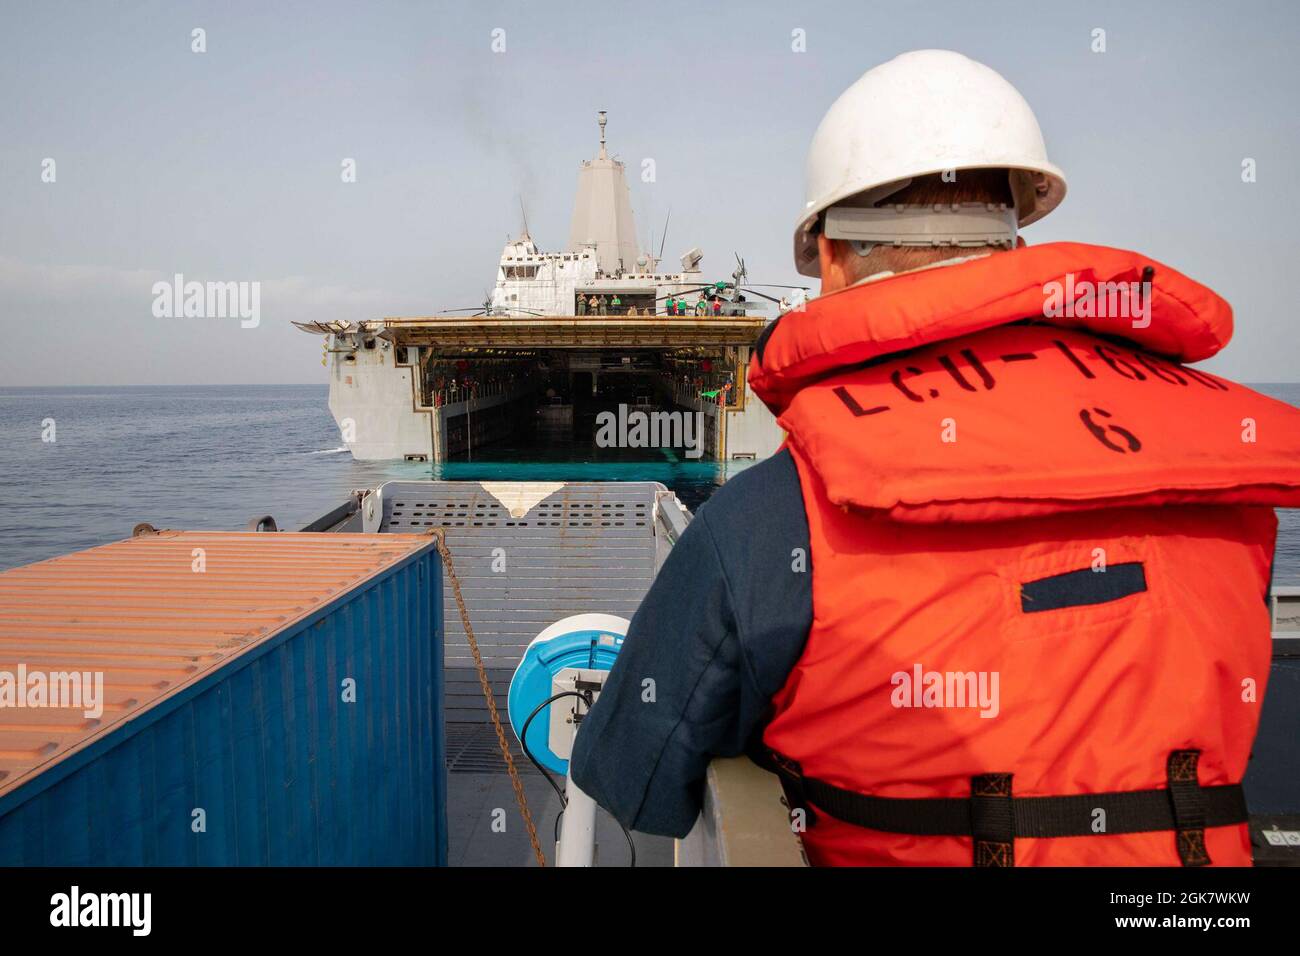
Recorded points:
(314, 739)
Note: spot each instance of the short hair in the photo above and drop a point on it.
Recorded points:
(967, 185)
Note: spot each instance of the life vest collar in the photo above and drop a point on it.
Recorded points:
(903, 402)
(1064, 283)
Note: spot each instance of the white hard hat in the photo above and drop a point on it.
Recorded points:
(922, 113)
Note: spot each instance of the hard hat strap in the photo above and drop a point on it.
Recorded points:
(938, 224)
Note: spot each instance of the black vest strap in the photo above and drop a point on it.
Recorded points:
(994, 817)
(1190, 807)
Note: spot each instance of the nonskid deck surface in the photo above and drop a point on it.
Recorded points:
(558, 549)
(527, 554)
(479, 805)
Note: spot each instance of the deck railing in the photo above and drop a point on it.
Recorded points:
(451, 394)
(744, 821)
(688, 393)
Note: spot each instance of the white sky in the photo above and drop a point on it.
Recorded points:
(225, 165)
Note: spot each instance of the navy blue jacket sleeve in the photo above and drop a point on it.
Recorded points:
(715, 637)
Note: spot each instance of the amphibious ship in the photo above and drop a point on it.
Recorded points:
(366, 735)
(561, 336)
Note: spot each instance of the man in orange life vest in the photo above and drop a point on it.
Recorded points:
(1001, 599)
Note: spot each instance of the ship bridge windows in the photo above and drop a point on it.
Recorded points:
(520, 272)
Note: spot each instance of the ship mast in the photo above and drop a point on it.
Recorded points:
(602, 211)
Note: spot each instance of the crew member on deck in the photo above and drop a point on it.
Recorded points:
(1002, 597)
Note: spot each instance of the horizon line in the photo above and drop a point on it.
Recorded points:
(298, 384)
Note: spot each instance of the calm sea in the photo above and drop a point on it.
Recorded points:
(213, 457)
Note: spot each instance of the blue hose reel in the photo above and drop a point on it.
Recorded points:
(584, 642)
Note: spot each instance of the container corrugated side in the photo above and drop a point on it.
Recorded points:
(268, 699)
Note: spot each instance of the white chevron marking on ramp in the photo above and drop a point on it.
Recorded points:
(520, 497)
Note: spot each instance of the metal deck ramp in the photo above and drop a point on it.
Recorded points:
(528, 554)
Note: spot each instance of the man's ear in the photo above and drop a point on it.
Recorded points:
(833, 255)
(1020, 242)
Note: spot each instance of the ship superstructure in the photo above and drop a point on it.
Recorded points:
(562, 337)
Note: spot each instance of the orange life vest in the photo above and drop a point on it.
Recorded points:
(1041, 550)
